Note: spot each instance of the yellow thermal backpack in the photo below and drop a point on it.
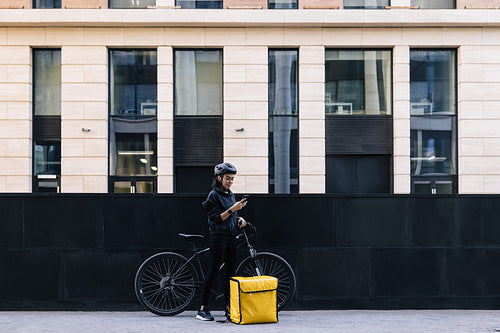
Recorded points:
(253, 299)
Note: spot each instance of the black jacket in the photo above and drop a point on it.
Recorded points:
(216, 203)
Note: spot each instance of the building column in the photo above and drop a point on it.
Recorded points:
(84, 119)
(312, 119)
(401, 119)
(165, 118)
(15, 119)
(246, 116)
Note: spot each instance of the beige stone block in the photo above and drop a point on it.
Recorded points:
(312, 128)
(72, 147)
(165, 147)
(95, 110)
(479, 91)
(256, 110)
(401, 127)
(15, 129)
(165, 129)
(245, 55)
(312, 55)
(402, 146)
(3, 36)
(401, 91)
(96, 73)
(401, 109)
(165, 166)
(256, 147)
(165, 92)
(235, 110)
(104, 36)
(95, 184)
(470, 73)
(165, 73)
(311, 91)
(3, 184)
(303, 36)
(401, 55)
(312, 147)
(3, 73)
(479, 128)
(18, 147)
(401, 73)
(462, 36)
(402, 184)
(165, 184)
(15, 166)
(72, 110)
(95, 147)
(491, 73)
(19, 73)
(491, 147)
(312, 184)
(338, 37)
(165, 55)
(252, 129)
(470, 147)
(88, 166)
(18, 110)
(470, 109)
(257, 73)
(312, 73)
(15, 92)
(245, 92)
(26, 36)
(235, 74)
(264, 36)
(491, 184)
(470, 184)
(235, 147)
(18, 184)
(217, 37)
(249, 166)
(490, 35)
(312, 110)
(144, 36)
(72, 184)
(255, 184)
(57, 36)
(490, 109)
(72, 73)
(381, 36)
(165, 111)
(401, 165)
(75, 92)
(72, 129)
(190, 37)
(479, 54)
(3, 147)
(84, 55)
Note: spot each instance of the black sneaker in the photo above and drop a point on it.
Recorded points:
(204, 315)
(227, 315)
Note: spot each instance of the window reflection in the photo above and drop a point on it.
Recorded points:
(199, 4)
(366, 4)
(134, 154)
(282, 4)
(434, 4)
(47, 82)
(358, 82)
(47, 158)
(47, 4)
(131, 3)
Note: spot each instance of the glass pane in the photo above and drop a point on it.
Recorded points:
(283, 122)
(144, 187)
(47, 186)
(131, 3)
(47, 4)
(432, 82)
(358, 82)
(133, 154)
(133, 83)
(122, 187)
(198, 82)
(47, 158)
(432, 152)
(366, 4)
(434, 4)
(282, 4)
(444, 187)
(422, 187)
(47, 82)
(199, 4)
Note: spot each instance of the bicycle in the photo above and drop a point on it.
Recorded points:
(166, 282)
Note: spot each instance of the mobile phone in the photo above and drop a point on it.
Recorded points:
(246, 196)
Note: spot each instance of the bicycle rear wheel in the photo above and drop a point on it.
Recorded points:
(165, 283)
(273, 265)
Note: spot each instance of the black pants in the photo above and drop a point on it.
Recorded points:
(222, 249)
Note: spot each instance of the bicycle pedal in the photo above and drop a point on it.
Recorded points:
(219, 297)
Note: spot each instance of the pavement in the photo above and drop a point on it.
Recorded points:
(399, 321)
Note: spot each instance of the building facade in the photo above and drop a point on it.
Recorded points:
(316, 96)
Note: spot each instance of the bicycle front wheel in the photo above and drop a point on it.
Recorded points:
(165, 283)
(272, 265)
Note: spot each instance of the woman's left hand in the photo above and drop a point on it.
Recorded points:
(241, 222)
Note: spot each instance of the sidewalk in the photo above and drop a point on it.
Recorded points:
(418, 321)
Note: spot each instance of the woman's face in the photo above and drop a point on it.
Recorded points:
(226, 180)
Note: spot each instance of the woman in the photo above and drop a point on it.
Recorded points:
(221, 208)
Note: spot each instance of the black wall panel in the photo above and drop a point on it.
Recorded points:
(11, 222)
(491, 221)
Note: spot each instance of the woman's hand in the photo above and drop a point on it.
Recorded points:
(239, 205)
(241, 222)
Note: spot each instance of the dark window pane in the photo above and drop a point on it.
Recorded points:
(47, 158)
(432, 152)
(358, 82)
(434, 4)
(366, 4)
(47, 82)
(133, 86)
(199, 4)
(131, 3)
(47, 4)
(282, 4)
(198, 82)
(283, 122)
(122, 186)
(133, 154)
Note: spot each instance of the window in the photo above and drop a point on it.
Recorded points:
(358, 82)
(46, 120)
(434, 4)
(366, 4)
(199, 4)
(198, 120)
(133, 123)
(283, 122)
(433, 121)
(282, 4)
(47, 4)
(124, 4)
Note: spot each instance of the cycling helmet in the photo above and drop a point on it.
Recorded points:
(223, 168)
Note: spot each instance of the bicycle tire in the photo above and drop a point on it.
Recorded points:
(161, 287)
(273, 265)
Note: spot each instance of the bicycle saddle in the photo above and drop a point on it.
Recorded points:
(191, 238)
